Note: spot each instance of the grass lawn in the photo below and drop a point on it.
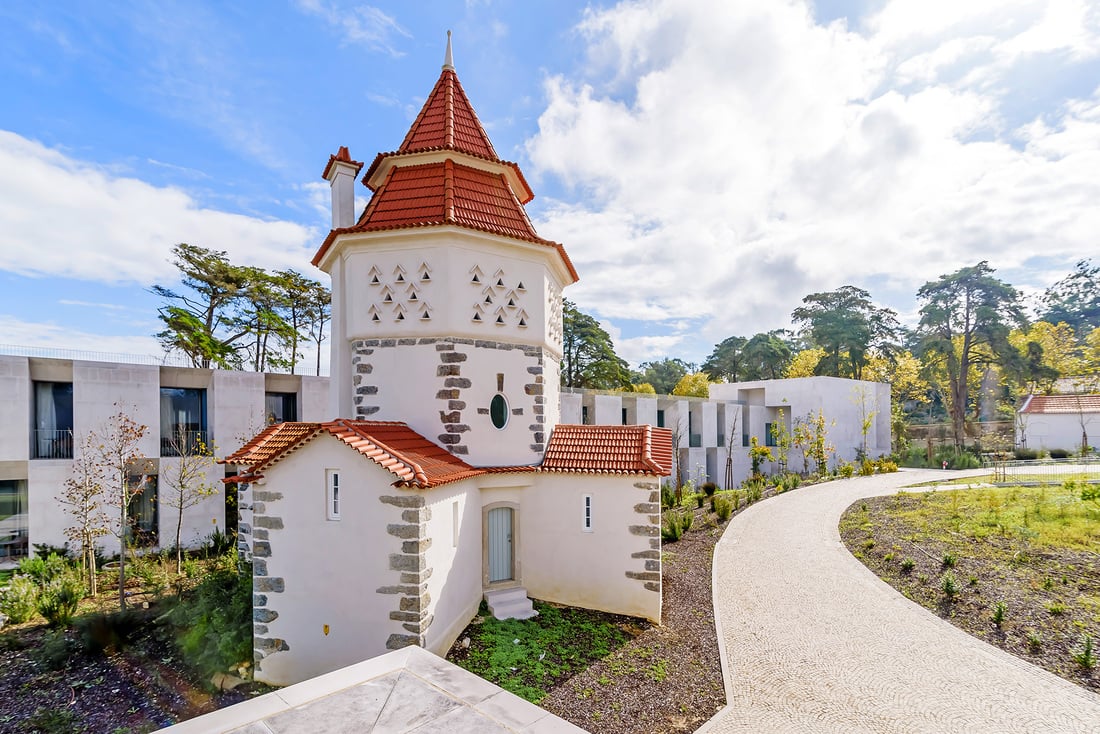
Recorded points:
(1016, 566)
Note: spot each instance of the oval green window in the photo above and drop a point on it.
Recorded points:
(498, 411)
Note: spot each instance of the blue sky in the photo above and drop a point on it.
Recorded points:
(705, 164)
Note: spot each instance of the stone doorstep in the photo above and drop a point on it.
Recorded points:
(511, 603)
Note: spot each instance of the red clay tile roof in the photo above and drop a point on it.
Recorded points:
(343, 156)
(447, 119)
(446, 192)
(413, 459)
(417, 462)
(1062, 404)
(609, 450)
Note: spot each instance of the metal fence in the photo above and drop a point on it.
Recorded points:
(1045, 471)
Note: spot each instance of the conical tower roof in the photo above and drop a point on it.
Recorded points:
(446, 172)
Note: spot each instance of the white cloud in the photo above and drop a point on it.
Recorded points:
(63, 217)
(725, 159)
(49, 335)
(360, 24)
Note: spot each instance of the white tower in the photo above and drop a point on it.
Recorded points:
(446, 304)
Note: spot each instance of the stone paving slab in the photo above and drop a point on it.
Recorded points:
(409, 690)
(812, 641)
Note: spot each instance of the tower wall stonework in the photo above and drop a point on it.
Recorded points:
(443, 388)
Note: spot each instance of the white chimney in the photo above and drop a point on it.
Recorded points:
(340, 173)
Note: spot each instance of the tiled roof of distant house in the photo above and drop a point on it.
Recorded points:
(1061, 404)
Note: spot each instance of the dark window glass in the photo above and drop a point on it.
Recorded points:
(624, 417)
(280, 407)
(660, 419)
(13, 518)
(53, 420)
(142, 512)
(182, 421)
(769, 434)
(498, 411)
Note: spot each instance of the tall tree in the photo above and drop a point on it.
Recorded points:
(296, 291)
(588, 354)
(1075, 299)
(319, 313)
(694, 385)
(965, 318)
(662, 374)
(767, 356)
(116, 449)
(727, 360)
(82, 496)
(186, 480)
(200, 322)
(847, 325)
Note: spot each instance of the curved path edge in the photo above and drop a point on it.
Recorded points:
(813, 641)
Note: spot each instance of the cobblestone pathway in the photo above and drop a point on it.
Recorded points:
(812, 641)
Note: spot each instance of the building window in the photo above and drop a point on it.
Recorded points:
(455, 522)
(586, 519)
(280, 407)
(584, 414)
(332, 494)
(142, 511)
(13, 518)
(745, 439)
(769, 434)
(53, 420)
(182, 421)
(498, 411)
(625, 417)
(660, 419)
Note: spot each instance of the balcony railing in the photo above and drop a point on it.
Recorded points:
(53, 444)
(184, 443)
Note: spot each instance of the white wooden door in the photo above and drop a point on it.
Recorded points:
(500, 544)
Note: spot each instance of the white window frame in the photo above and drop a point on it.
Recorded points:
(332, 494)
(586, 513)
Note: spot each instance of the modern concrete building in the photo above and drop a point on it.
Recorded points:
(50, 405)
(1067, 422)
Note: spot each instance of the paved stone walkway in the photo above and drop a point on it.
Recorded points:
(812, 641)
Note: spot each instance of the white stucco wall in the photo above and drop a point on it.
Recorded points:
(331, 568)
(455, 584)
(1047, 431)
(560, 562)
(15, 407)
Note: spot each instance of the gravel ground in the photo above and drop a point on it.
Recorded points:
(668, 678)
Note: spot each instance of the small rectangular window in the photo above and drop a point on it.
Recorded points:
(660, 419)
(332, 494)
(454, 524)
(586, 522)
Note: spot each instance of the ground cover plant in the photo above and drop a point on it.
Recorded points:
(86, 666)
(1015, 566)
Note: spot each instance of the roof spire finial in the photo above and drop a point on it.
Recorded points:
(448, 58)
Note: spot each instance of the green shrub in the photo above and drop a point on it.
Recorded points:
(52, 721)
(675, 524)
(866, 468)
(218, 543)
(709, 488)
(846, 470)
(949, 560)
(1026, 454)
(907, 565)
(43, 569)
(723, 508)
(19, 599)
(1034, 641)
(214, 620)
(60, 598)
(886, 466)
(999, 614)
(949, 585)
(1085, 655)
(112, 632)
(668, 496)
(700, 499)
(55, 650)
(1059, 454)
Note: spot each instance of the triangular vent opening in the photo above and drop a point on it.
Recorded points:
(477, 317)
